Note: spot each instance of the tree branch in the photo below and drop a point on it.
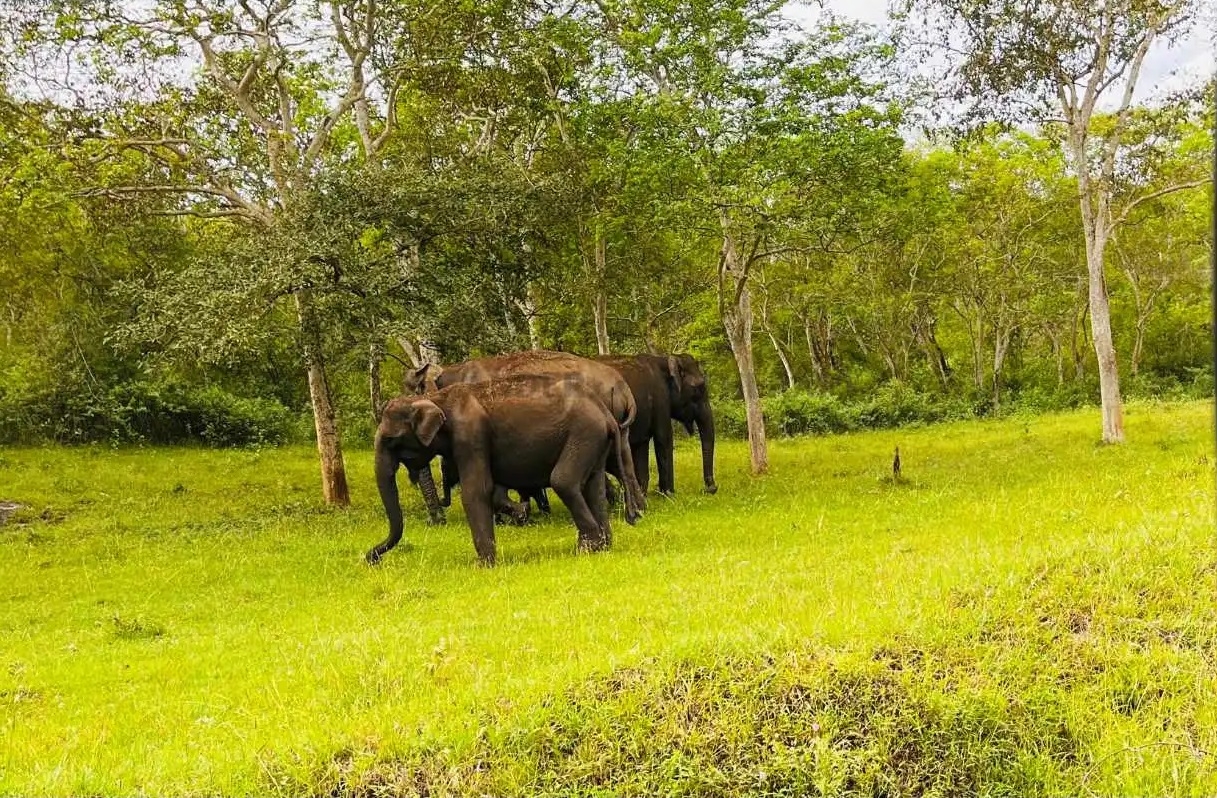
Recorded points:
(1153, 195)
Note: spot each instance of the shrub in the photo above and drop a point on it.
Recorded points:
(142, 412)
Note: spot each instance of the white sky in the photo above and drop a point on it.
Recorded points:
(1166, 68)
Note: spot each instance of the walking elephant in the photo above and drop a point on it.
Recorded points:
(518, 432)
(666, 388)
(600, 379)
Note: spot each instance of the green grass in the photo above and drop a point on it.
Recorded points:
(1025, 613)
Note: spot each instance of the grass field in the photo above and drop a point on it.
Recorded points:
(1025, 613)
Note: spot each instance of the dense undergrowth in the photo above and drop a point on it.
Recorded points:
(170, 413)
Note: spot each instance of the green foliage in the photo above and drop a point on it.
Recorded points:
(799, 412)
(140, 412)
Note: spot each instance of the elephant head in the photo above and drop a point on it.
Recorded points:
(409, 434)
(423, 379)
(691, 406)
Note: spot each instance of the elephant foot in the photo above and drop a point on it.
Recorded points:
(711, 488)
(592, 545)
(437, 519)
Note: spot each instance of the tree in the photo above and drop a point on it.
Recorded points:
(275, 90)
(1060, 60)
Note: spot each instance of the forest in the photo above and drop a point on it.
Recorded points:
(239, 223)
(240, 237)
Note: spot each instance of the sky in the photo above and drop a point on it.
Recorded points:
(1166, 69)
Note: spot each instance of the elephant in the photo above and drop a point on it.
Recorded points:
(666, 388)
(605, 382)
(516, 511)
(523, 432)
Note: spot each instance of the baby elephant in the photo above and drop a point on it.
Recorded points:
(521, 432)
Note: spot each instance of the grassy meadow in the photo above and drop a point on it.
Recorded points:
(1025, 612)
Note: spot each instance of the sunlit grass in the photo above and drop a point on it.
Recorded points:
(195, 621)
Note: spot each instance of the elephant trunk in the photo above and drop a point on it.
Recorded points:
(426, 485)
(705, 430)
(386, 482)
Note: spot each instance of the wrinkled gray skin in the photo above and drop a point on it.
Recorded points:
(666, 388)
(519, 432)
(601, 379)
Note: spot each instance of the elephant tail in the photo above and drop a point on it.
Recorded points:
(634, 500)
(631, 411)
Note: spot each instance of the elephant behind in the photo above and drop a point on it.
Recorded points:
(666, 388)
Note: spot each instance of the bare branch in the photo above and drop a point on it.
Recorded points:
(1153, 195)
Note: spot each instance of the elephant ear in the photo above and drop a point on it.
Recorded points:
(428, 419)
(674, 371)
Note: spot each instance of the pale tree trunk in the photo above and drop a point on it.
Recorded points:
(376, 354)
(816, 368)
(773, 339)
(1001, 347)
(600, 303)
(737, 321)
(600, 316)
(528, 307)
(329, 446)
(782, 357)
(1095, 228)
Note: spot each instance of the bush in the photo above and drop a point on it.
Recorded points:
(145, 413)
(798, 412)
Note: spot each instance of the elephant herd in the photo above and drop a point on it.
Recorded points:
(534, 420)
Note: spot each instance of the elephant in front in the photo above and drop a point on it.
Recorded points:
(521, 432)
(666, 388)
(600, 379)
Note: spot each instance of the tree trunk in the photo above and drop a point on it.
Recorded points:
(600, 318)
(376, 354)
(329, 446)
(1077, 348)
(1104, 346)
(528, 307)
(600, 303)
(1001, 345)
(1095, 229)
(816, 367)
(782, 357)
(737, 321)
(1138, 345)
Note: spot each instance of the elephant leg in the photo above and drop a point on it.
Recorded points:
(504, 507)
(569, 480)
(451, 478)
(642, 466)
(426, 485)
(610, 492)
(478, 501)
(542, 500)
(665, 462)
(597, 502)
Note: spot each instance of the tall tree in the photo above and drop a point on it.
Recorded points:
(1062, 59)
(239, 105)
